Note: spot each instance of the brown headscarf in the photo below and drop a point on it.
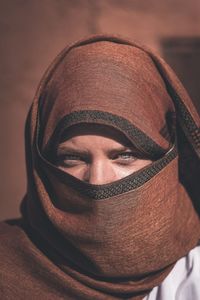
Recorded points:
(118, 240)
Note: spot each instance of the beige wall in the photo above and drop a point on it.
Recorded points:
(33, 32)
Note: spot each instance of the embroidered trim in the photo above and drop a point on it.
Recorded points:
(192, 131)
(144, 143)
(133, 181)
(98, 192)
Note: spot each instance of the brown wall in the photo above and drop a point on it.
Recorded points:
(33, 32)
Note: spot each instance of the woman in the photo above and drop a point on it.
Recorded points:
(112, 204)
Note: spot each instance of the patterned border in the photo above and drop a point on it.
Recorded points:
(140, 140)
(98, 192)
(133, 181)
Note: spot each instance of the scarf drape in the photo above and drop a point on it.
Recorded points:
(118, 240)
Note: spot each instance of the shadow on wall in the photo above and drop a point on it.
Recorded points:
(183, 55)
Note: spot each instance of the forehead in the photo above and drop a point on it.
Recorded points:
(95, 130)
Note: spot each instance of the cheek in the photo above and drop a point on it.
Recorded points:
(78, 171)
(141, 163)
(123, 171)
(105, 173)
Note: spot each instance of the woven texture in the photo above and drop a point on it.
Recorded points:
(119, 240)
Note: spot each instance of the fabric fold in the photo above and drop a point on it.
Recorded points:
(114, 241)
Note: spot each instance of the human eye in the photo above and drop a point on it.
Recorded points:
(68, 160)
(126, 157)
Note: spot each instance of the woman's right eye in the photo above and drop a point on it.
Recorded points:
(70, 160)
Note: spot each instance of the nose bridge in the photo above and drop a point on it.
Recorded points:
(101, 172)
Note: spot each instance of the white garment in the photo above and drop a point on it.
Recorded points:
(183, 282)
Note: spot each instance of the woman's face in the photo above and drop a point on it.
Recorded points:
(98, 154)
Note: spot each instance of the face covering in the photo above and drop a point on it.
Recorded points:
(116, 240)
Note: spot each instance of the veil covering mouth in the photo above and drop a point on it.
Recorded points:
(118, 240)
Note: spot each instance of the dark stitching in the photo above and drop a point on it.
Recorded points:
(189, 126)
(138, 138)
(133, 181)
(127, 184)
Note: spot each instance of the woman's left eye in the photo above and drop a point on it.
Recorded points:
(125, 156)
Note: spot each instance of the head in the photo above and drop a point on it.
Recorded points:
(104, 182)
(102, 98)
(98, 154)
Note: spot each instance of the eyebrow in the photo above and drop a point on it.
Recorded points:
(71, 150)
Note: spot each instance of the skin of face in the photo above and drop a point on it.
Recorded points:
(98, 154)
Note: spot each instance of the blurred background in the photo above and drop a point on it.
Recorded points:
(33, 32)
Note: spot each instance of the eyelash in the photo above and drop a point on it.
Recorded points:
(70, 159)
(128, 153)
(123, 161)
(61, 160)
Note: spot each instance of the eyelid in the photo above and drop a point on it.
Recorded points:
(71, 156)
(64, 161)
(129, 152)
(66, 151)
